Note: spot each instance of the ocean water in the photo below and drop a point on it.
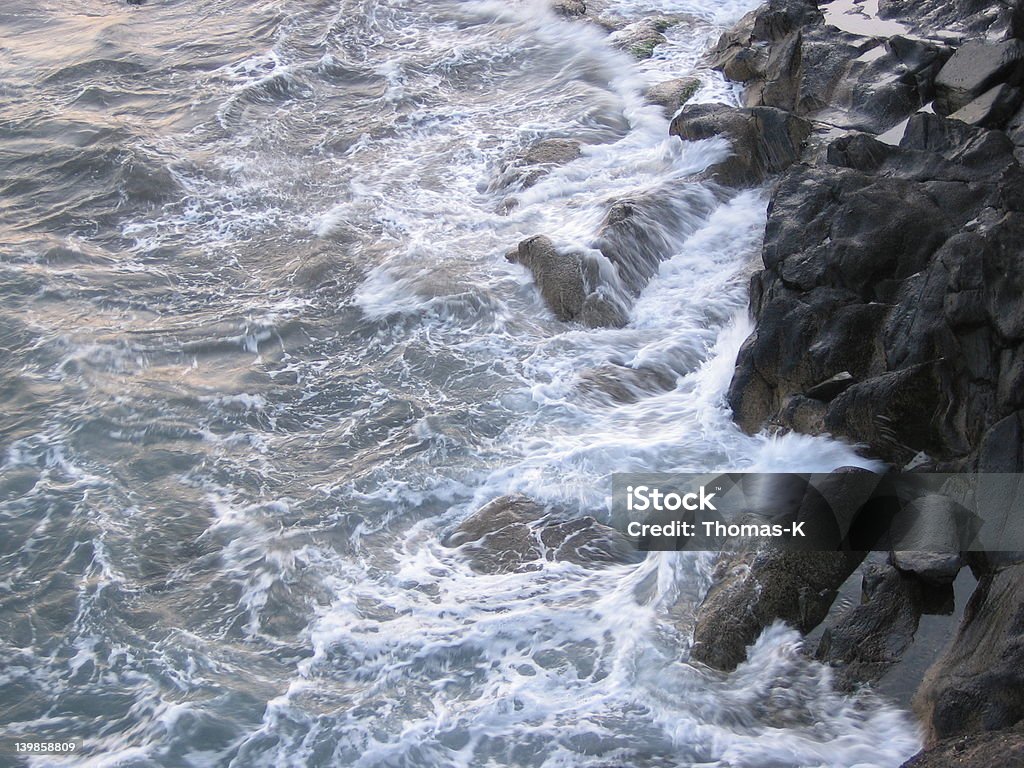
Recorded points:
(262, 351)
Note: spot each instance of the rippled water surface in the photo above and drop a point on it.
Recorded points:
(262, 350)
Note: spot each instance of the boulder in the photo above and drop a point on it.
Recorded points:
(978, 684)
(1004, 749)
(515, 533)
(750, 591)
(992, 109)
(673, 94)
(939, 568)
(537, 161)
(765, 140)
(977, 66)
(639, 38)
(870, 638)
(569, 284)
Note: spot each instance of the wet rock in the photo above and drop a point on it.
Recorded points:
(993, 108)
(568, 283)
(899, 269)
(871, 637)
(978, 684)
(569, 8)
(537, 161)
(640, 232)
(639, 38)
(515, 533)
(1004, 749)
(977, 66)
(765, 140)
(673, 94)
(752, 590)
(621, 384)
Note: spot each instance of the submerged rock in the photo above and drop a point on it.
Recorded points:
(569, 8)
(515, 533)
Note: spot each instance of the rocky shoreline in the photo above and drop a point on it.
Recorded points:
(889, 312)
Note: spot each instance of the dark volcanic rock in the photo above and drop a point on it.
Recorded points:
(1002, 749)
(871, 637)
(978, 685)
(993, 108)
(764, 140)
(514, 533)
(569, 283)
(902, 268)
(977, 66)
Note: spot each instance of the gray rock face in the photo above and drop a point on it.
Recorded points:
(536, 162)
(976, 67)
(978, 685)
(751, 591)
(765, 140)
(515, 533)
(1004, 749)
(873, 636)
(568, 283)
(900, 268)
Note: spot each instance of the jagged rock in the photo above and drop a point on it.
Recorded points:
(515, 533)
(903, 269)
(764, 140)
(673, 94)
(978, 684)
(992, 109)
(955, 18)
(639, 38)
(568, 283)
(871, 637)
(751, 591)
(569, 8)
(976, 67)
(1004, 749)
